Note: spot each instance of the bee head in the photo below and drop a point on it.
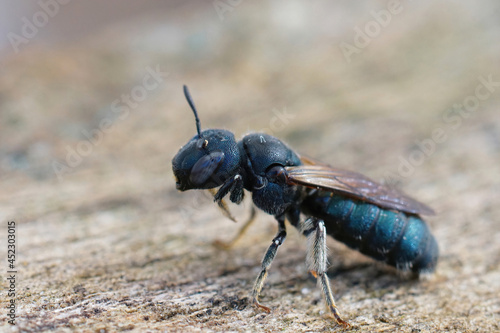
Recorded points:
(208, 159)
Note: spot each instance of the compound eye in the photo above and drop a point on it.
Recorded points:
(277, 173)
(202, 144)
(205, 167)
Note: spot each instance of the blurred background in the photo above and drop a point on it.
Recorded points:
(92, 112)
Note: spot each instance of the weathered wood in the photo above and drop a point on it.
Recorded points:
(112, 246)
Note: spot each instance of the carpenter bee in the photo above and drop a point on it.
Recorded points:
(376, 220)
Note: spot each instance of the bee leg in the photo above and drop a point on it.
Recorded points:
(227, 245)
(223, 207)
(314, 230)
(226, 187)
(233, 185)
(237, 192)
(267, 260)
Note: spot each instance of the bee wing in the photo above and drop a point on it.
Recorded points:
(354, 185)
(308, 160)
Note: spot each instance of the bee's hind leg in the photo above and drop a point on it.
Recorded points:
(315, 231)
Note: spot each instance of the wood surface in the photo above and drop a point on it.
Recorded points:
(110, 245)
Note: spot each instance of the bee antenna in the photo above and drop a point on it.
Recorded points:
(191, 104)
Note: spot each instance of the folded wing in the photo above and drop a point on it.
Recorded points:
(355, 185)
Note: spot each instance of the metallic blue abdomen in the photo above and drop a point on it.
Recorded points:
(399, 239)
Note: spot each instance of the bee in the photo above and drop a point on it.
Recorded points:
(376, 220)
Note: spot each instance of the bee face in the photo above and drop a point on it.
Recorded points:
(206, 161)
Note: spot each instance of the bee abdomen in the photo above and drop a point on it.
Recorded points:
(400, 240)
(417, 249)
